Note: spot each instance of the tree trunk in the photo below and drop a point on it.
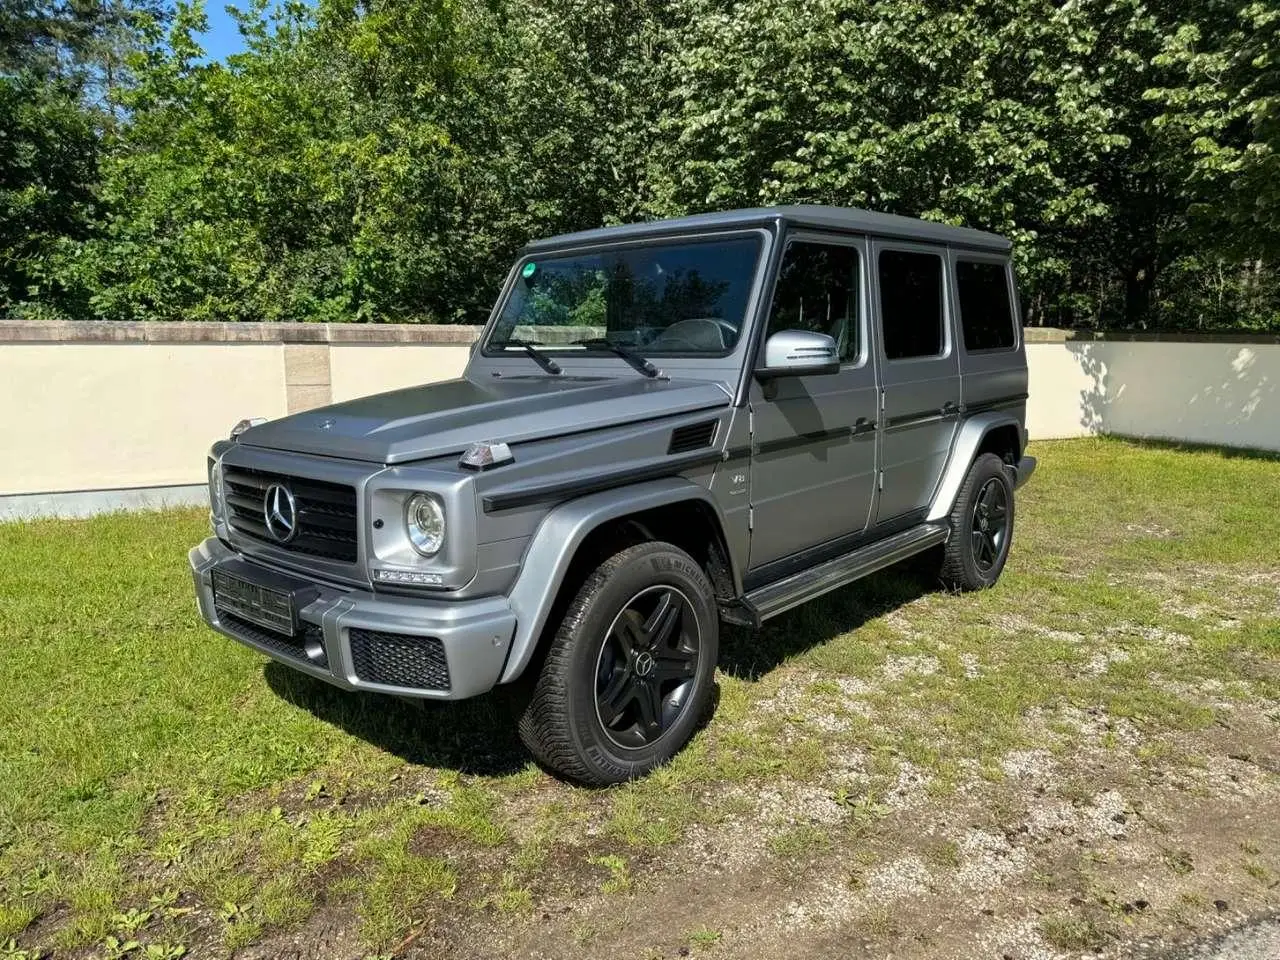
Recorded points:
(1139, 280)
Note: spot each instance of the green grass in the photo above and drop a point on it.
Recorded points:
(158, 784)
(1073, 933)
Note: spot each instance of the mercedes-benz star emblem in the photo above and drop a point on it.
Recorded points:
(644, 663)
(327, 423)
(281, 512)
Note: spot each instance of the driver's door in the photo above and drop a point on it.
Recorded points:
(813, 464)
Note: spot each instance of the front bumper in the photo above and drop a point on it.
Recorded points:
(472, 637)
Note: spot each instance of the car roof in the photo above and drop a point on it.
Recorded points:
(844, 219)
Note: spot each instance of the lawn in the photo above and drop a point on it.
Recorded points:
(1080, 760)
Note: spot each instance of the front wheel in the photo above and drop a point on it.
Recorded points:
(981, 527)
(630, 671)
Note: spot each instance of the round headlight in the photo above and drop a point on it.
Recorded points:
(424, 523)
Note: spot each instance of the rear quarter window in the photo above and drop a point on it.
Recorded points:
(986, 312)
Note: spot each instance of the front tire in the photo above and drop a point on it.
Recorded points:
(630, 671)
(981, 527)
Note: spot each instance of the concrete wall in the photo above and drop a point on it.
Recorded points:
(93, 406)
(83, 416)
(101, 406)
(359, 369)
(1223, 391)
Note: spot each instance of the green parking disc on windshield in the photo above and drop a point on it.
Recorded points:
(529, 270)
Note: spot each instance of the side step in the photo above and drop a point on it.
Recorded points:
(781, 595)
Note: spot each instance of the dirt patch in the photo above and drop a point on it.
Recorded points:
(1137, 861)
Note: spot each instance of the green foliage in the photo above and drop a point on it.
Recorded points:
(1022, 116)
(62, 69)
(383, 161)
(48, 149)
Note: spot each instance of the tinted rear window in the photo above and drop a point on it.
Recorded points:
(986, 312)
(911, 312)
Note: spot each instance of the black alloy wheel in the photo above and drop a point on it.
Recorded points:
(646, 667)
(629, 673)
(981, 522)
(990, 527)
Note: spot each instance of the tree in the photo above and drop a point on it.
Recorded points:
(1221, 110)
(384, 159)
(62, 66)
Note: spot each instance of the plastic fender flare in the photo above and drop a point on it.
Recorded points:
(972, 432)
(556, 541)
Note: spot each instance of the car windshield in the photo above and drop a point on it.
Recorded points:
(665, 299)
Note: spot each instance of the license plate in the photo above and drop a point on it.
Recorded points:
(264, 606)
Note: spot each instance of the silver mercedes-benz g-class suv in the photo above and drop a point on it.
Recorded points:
(663, 426)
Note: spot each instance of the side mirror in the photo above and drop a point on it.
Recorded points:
(798, 353)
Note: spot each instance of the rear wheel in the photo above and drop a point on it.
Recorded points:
(981, 527)
(629, 673)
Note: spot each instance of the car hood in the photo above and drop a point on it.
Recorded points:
(442, 418)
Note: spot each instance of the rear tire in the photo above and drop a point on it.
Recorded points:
(630, 671)
(981, 527)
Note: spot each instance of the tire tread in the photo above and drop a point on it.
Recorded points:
(955, 572)
(545, 727)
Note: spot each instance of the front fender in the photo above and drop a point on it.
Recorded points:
(972, 433)
(557, 539)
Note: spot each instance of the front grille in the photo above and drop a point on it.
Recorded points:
(326, 512)
(399, 660)
(293, 647)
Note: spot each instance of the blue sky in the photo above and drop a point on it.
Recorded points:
(222, 38)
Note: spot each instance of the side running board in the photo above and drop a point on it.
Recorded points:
(781, 595)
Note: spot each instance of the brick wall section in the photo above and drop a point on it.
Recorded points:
(306, 376)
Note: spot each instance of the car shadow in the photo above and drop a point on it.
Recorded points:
(475, 736)
(750, 654)
(478, 736)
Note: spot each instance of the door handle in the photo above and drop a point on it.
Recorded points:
(862, 425)
(949, 408)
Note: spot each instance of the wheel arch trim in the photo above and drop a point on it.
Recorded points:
(557, 539)
(963, 452)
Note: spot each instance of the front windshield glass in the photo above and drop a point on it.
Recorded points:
(685, 297)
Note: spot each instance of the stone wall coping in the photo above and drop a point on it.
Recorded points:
(109, 331)
(1057, 335)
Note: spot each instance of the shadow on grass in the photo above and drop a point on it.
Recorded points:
(1183, 446)
(750, 654)
(476, 736)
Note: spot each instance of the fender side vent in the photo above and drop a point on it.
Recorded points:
(694, 436)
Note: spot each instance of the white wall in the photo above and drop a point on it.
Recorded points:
(92, 416)
(131, 413)
(1057, 386)
(1201, 392)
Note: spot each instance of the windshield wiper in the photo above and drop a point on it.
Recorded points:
(531, 348)
(633, 358)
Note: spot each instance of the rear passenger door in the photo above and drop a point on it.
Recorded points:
(919, 374)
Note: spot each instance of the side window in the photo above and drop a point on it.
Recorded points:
(911, 311)
(817, 290)
(985, 310)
